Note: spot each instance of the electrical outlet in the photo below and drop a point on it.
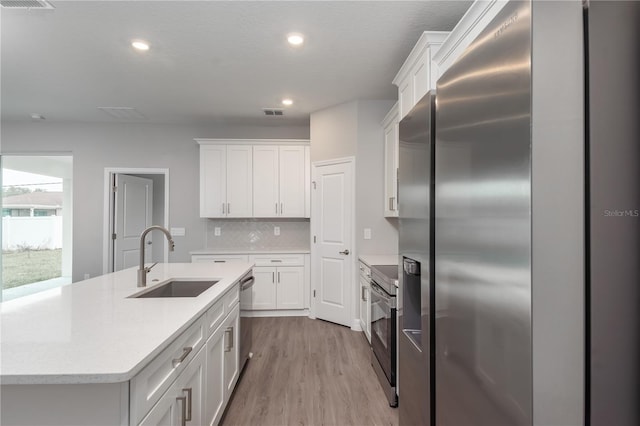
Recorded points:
(367, 233)
(276, 230)
(177, 232)
(216, 231)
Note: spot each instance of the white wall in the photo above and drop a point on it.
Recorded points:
(96, 146)
(354, 129)
(370, 182)
(334, 132)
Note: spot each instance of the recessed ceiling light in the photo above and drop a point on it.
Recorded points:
(287, 102)
(140, 45)
(295, 39)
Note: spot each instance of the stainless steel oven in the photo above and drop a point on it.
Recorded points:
(383, 328)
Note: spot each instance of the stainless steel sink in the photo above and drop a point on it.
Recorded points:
(177, 288)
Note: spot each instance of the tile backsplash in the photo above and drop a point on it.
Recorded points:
(258, 234)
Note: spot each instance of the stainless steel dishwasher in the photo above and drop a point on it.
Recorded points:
(246, 282)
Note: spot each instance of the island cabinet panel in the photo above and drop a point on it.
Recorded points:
(222, 361)
(150, 384)
(184, 400)
(215, 382)
(103, 404)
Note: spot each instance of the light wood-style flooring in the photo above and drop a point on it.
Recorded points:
(308, 372)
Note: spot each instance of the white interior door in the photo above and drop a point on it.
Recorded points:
(333, 207)
(133, 208)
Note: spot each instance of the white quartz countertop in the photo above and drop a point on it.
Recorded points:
(91, 332)
(379, 259)
(248, 251)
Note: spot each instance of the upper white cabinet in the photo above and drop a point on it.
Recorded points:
(279, 181)
(468, 28)
(390, 125)
(417, 76)
(226, 173)
(254, 178)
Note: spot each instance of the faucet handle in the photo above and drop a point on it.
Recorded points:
(147, 269)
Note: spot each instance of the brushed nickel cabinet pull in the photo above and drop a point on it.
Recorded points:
(228, 334)
(189, 407)
(183, 420)
(185, 352)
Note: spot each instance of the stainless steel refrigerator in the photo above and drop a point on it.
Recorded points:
(415, 275)
(537, 236)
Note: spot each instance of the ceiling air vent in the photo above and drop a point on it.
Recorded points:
(26, 4)
(123, 113)
(273, 112)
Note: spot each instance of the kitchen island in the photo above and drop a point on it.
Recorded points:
(89, 353)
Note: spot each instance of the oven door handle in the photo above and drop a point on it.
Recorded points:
(380, 292)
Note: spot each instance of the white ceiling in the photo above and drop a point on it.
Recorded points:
(210, 61)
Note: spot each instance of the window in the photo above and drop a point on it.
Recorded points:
(36, 223)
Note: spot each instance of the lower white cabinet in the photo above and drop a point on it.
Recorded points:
(202, 389)
(282, 281)
(183, 403)
(278, 287)
(365, 302)
(222, 360)
(219, 258)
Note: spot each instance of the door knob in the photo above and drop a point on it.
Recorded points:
(346, 252)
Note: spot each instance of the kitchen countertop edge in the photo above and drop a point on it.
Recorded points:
(378, 259)
(125, 376)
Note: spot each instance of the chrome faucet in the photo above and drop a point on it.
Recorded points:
(142, 271)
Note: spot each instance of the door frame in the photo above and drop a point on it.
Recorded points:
(355, 322)
(107, 243)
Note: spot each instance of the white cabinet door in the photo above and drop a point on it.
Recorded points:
(215, 377)
(367, 316)
(213, 180)
(391, 167)
(184, 400)
(292, 181)
(192, 387)
(263, 292)
(165, 413)
(231, 351)
(365, 310)
(266, 200)
(290, 287)
(239, 181)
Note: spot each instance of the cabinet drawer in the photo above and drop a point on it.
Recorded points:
(217, 313)
(231, 298)
(148, 386)
(219, 258)
(365, 272)
(277, 259)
